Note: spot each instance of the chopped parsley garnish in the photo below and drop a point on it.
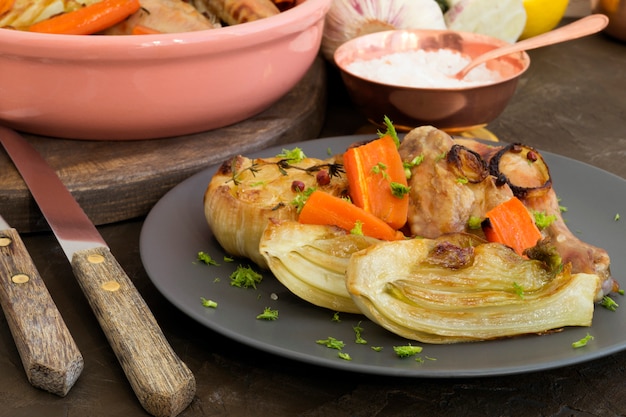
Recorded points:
(301, 198)
(331, 343)
(358, 228)
(582, 342)
(413, 163)
(205, 258)
(542, 220)
(518, 290)
(292, 156)
(345, 356)
(462, 180)
(245, 277)
(616, 218)
(357, 333)
(399, 190)
(228, 259)
(268, 314)
(474, 222)
(380, 168)
(376, 348)
(407, 350)
(391, 131)
(608, 303)
(336, 318)
(208, 303)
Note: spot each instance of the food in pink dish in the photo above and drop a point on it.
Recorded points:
(154, 85)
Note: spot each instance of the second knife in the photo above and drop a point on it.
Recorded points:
(49, 354)
(162, 382)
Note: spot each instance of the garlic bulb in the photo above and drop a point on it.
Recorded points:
(348, 19)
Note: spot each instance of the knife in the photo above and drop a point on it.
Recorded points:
(49, 354)
(163, 383)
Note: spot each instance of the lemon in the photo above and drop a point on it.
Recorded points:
(609, 5)
(542, 16)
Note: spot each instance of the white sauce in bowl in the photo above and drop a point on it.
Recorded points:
(422, 69)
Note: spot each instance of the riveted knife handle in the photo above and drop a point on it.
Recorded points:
(163, 383)
(49, 354)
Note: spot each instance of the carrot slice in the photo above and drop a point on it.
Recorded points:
(89, 19)
(371, 170)
(144, 30)
(5, 6)
(323, 208)
(511, 224)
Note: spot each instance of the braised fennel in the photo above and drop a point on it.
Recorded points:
(473, 293)
(311, 261)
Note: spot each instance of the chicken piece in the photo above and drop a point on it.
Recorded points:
(584, 257)
(165, 16)
(233, 12)
(446, 193)
(485, 150)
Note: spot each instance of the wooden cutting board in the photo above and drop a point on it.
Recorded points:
(119, 180)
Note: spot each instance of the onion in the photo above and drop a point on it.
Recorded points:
(348, 19)
(244, 194)
(502, 19)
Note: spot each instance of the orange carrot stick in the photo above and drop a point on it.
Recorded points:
(511, 224)
(89, 19)
(371, 170)
(5, 6)
(326, 209)
(143, 30)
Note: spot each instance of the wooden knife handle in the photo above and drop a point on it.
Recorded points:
(163, 383)
(49, 354)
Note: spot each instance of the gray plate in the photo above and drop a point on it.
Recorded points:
(175, 230)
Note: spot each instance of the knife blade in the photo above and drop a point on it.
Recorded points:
(162, 382)
(49, 354)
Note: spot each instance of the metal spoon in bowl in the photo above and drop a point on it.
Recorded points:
(581, 27)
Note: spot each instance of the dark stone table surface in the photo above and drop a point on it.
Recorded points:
(571, 102)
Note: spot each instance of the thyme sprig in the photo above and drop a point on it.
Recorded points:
(334, 170)
(253, 168)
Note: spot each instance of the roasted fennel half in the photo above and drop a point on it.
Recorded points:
(311, 261)
(437, 291)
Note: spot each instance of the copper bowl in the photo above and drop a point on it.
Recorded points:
(451, 109)
(616, 11)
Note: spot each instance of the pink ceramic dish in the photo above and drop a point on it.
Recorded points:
(449, 108)
(153, 86)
